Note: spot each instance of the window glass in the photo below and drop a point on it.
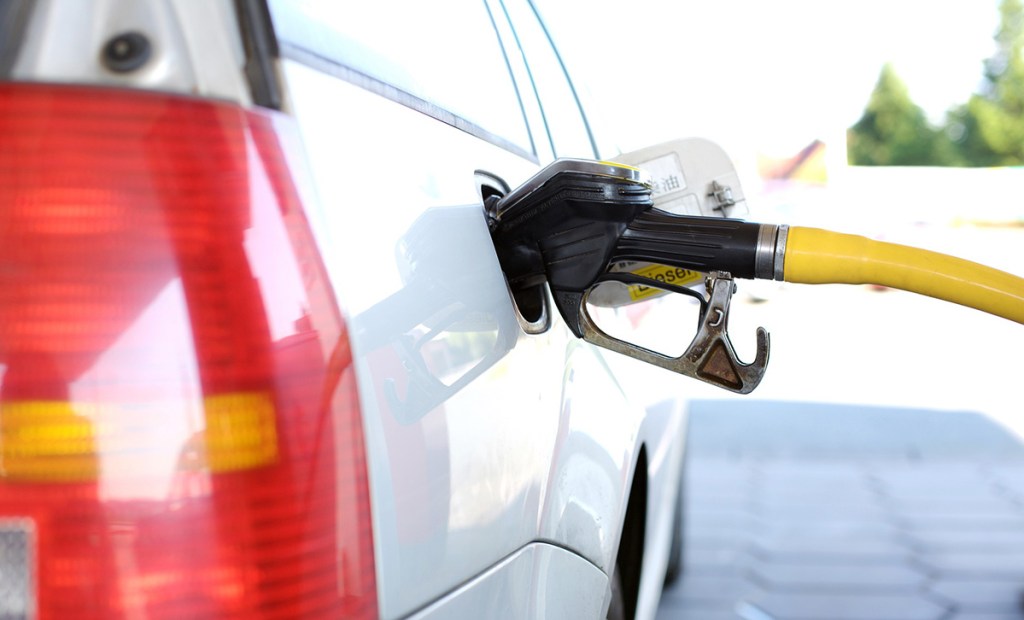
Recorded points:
(565, 123)
(449, 57)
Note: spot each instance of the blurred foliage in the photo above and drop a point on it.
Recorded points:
(990, 127)
(894, 131)
(988, 130)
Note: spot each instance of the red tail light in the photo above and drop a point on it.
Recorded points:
(179, 427)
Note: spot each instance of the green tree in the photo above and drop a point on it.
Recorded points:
(894, 131)
(989, 128)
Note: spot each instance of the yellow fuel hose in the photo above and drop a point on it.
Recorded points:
(815, 256)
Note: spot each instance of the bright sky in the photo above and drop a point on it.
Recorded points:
(770, 76)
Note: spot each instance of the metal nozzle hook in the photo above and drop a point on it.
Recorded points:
(710, 356)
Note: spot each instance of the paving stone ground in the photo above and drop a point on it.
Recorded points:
(816, 512)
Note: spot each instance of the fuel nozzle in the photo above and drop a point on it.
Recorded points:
(575, 219)
(578, 224)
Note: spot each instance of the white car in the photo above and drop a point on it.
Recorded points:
(257, 355)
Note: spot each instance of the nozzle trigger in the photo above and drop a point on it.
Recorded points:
(710, 357)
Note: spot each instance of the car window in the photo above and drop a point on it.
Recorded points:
(565, 122)
(447, 57)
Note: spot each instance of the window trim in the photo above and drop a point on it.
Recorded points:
(529, 75)
(565, 72)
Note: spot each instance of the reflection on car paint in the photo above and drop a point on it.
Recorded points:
(449, 323)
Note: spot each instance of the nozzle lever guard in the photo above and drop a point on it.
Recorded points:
(710, 356)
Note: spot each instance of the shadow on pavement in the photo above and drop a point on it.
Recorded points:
(813, 430)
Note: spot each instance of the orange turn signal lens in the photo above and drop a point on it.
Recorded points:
(60, 441)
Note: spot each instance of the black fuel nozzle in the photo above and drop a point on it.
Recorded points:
(569, 223)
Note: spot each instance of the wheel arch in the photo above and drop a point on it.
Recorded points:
(630, 555)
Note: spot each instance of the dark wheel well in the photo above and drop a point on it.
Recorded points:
(629, 560)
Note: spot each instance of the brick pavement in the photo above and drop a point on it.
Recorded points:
(811, 512)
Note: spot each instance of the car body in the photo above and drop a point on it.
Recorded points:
(260, 359)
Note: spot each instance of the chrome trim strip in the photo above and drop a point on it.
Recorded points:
(764, 254)
(780, 253)
(310, 59)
